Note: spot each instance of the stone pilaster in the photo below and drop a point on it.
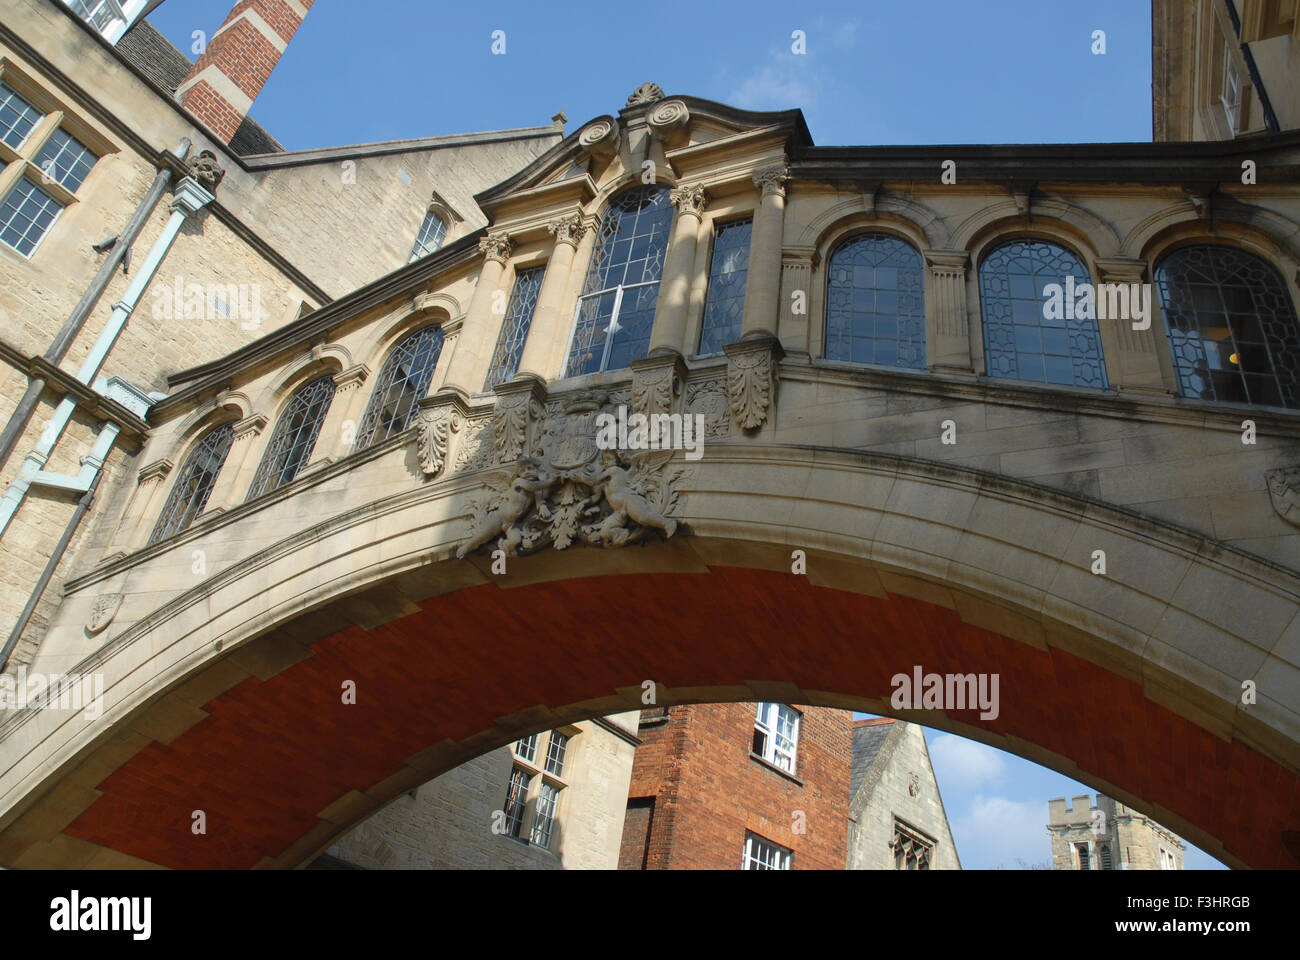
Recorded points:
(450, 332)
(797, 264)
(548, 318)
(1132, 346)
(336, 437)
(668, 334)
(241, 464)
(763, 284)
(468, 367)
(577, 277)
(145, 505)
(947, 331)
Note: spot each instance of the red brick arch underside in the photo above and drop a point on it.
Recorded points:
(273, 754)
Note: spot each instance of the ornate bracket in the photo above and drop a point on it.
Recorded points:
(521, 404)
(751, 379)
(1284, 491)
(440, 416)
(657, 383)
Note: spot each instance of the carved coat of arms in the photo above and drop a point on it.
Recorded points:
(571, 491)
(1284, 491)
(102, 612)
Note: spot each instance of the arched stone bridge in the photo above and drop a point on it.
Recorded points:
(950, 520)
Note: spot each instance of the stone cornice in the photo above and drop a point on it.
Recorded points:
(87, 399)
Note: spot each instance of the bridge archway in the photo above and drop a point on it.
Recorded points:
(227, 698)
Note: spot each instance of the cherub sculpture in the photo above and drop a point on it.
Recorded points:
(532, 482)
(623, 491)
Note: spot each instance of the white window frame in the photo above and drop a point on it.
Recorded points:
(755, 845)
(767, 722)
(1230, 95)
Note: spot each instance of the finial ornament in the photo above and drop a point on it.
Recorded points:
(646, 93)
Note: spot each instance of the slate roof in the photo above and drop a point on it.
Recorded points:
(868, 738)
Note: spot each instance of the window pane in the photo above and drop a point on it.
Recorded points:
(526, 748)
(65, 159)
(629, 249)
(194, 485)
(1019, 342)
(875, 303)
(294, 437)
(515, 326)
(1232, 328)
(403, 380)
(17, 117)
(26, 216)
(555, 753)
(547, 801)
(728, 272)
(432, 232)
(516, 801)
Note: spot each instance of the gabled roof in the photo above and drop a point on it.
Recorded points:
(869, 738)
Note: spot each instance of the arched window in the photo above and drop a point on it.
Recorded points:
(432, 232)
(1031, 329)
(875, 302)
(194, 484)
(403, 380)
(622, 286)
(1232, 327)
(294, 437)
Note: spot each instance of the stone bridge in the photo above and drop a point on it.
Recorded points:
(1123, 558)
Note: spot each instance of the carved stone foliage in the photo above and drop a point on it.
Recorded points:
(475, 451)
(691, 200)
(1284, 491)
(771, 180)
(656, 384)
(572, 491)
(568, 229)
(512, 426)
(751, 379)
(709, 399)
(102, 613)
(437, 424)
(646, 93)
(496, 246)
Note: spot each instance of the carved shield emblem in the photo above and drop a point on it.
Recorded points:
(103, 611)
(1284, 490)
(570, 440)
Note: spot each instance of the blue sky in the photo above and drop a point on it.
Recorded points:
(1018, 71)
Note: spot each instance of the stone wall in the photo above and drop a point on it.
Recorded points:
(1134, 841)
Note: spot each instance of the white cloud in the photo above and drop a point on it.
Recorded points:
(780, 85)
(961, 764)
(847, 34)
(996, 831)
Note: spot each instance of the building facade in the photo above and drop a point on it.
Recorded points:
(1107, 835)
(866, 335)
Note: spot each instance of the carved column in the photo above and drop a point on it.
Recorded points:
(241, 463)
(569, 304)
(450, 333)
(947, 331)
(548, 319)
(1132, 356)
(763, 285)
(668, 334)
(468, 366)
(336, 438)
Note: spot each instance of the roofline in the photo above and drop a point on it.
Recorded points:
(286, 158)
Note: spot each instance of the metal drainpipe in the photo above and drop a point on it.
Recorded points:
(22, 414)
(83, 507)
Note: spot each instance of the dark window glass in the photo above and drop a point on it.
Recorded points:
(1232, 327)
(194, 485)
(514, 328)
(516, 800)
(875, 302)
(294, 437)
(403, 380)
(621, 291)
(1020, 342)
(555, 748)
(66, 159)
(728, 272)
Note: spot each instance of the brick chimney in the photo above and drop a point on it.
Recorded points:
(238, 61)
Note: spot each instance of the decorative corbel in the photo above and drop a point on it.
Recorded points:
(751, 379)
(440, 416)
(521, 406)
(657, 383)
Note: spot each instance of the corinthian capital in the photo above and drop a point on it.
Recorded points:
(496, 246)
(690, 200)
(771, 180)
(568, 229)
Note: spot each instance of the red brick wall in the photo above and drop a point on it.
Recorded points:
(636, 833)
(709, 791)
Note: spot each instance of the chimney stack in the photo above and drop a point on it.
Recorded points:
(238, 61)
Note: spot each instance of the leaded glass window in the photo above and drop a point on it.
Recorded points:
(1232, 326)
(432, 232)
(514, 328)
(548, 798)
(875, 302)
(194, 485)
(66, 159)
(516, 800)
(26, 216)
(1023, 338)
(728, 272)
(617, 307)
(294, 437)
(17, 117)
(404, 379)
(912, 850)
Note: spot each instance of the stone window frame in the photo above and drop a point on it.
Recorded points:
(842, 241)
(1082, 850)
(172, 510)
(768, 729)
(717, 226)
(262, 483)
(20, 163)
(533, 821)
(441, 212)
(755, 846)
(369, 426)
(908, 838)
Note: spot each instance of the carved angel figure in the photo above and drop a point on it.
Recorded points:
(530, 486)
(625, 491)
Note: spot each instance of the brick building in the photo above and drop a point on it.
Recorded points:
(772, 786)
